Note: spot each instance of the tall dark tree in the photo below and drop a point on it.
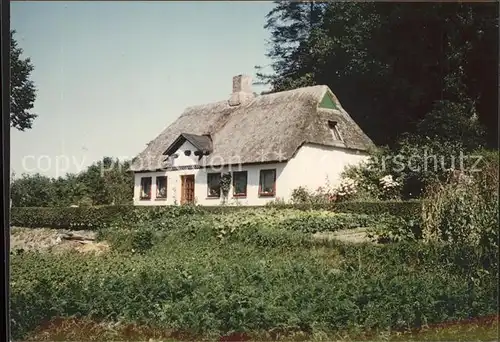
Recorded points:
(293, 27)
(22, 88)
(391, 62)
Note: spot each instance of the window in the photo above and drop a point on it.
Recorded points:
(146, 187)
(332, 125)
(240, 184)
(213, 185)
(267, 182)
(161, 187)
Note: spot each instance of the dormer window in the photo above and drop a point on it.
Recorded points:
(332, 125)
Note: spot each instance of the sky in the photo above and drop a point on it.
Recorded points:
(110, 76)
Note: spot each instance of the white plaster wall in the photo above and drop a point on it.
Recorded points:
(315, 165)
(312, 166)
(182, 159)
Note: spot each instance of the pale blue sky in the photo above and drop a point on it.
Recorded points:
(112, 75)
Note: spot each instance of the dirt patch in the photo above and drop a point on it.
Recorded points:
(358, 235)
(55, 240)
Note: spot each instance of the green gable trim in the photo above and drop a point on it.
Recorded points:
(328, 102)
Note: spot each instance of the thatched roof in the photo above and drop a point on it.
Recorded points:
(267, 128)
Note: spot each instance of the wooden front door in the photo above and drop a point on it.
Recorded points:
(187, 194)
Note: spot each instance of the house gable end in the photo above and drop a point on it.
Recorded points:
(199, 143)
(184, 155)
(174, 146)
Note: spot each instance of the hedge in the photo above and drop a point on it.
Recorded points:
(90, 218)
(396, 208)
(95, 217)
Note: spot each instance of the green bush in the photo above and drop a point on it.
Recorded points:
(93, 218)
(395, 208)
(464, 209)
(311, 222)
(70, 218)
(388, 229)
(301, 195)
(138, 240)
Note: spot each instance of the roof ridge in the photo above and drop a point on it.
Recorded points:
(225, 103)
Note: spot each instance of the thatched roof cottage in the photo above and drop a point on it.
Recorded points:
(250, 149)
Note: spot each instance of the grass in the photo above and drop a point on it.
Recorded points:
(480, 329)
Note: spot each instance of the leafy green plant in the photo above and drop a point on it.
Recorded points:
(464, 209)
(389, 229)
(314, 222)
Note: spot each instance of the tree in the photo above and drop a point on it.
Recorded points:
(292, 25)
(452, 122)
(104, 182)
(22, 88)
(390, 62)
(32, 191)
(109, 182)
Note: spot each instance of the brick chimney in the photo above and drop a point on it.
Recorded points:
(242, 90)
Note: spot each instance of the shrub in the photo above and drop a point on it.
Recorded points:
(137, 240)
(302, 195)
(67, 217)
(368, 175)
(390, 229)
(464, 209)
(93, 218)
(395, 208)
(311, 222)
(390, 188)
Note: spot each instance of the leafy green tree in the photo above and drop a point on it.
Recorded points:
(32, 191)
(103, 183)
(22, 88)
(109, 182)
(69, 191)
